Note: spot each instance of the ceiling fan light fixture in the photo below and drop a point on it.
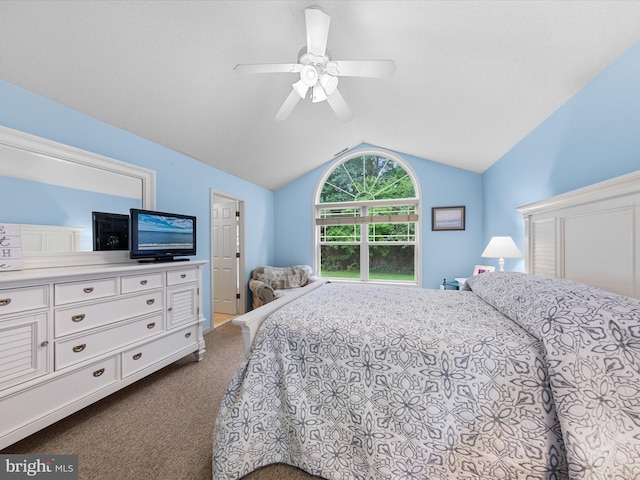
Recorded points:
(318, 94)
(300, 88)
(329, 83)
(309, 75)
(332, 68)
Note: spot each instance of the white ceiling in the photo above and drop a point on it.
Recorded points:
(472, 77)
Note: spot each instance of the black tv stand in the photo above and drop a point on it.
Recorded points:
(163, 260)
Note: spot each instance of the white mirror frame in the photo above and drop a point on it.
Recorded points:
(31, 146)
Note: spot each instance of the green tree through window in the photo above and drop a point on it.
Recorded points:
(369, 177)
(366, 220)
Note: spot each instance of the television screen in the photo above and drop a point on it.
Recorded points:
(110, 231)
(158, 236)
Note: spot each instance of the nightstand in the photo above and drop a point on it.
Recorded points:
(460, 281)
(452, 285)
(456, 284)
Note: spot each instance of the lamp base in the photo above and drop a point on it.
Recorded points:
(501, 263)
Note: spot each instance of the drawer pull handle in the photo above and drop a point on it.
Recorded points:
(45, 343)
(151, 325)
(79, 348)
(97, 373)
(143, 282)
(87, 289)
(170, 309)
(187, 335)
(151, 301)
(137, 356)
(4, 302)
(184, 275)
(78, 318)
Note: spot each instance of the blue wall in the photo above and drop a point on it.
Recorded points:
(593, 137)
(446, 254)
(182, 184)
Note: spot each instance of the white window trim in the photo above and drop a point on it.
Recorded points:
(365, 261)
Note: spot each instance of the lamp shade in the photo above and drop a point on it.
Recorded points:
(502, 247)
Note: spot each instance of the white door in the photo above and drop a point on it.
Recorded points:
(225, 259)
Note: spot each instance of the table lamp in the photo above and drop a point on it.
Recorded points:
(501, 247)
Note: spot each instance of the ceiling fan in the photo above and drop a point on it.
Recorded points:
(318, 73)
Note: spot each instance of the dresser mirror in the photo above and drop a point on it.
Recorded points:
(52, 189)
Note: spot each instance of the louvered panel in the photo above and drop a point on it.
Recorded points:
(182, 307)
(543, 234)
(17, 355)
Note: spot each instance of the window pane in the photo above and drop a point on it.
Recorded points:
(340, 233)
(392, 210)
(391, 262)
(368, 177)
(340, 212)
(340, 261)
(392, 232)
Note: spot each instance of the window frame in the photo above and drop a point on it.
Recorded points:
(365, 205)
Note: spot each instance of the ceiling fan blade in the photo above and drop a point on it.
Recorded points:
(288, 106)
(339, 106)
(362, 68)
(317, 23)
(269, 68)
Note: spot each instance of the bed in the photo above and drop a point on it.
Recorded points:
(518, 376)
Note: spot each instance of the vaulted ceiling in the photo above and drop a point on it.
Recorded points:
(472, 77)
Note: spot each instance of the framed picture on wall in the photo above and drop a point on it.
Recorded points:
(447, 218)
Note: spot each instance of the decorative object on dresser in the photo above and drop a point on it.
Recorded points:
(501, 248)
(73, 335)
(10, 247)
(447, 218)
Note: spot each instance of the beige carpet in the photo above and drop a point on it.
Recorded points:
(158, 428)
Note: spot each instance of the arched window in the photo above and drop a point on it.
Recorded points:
(366, 220)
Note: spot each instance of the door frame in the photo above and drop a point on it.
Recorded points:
(242, 277)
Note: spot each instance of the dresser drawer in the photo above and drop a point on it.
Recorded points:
(135, 359)
(83, 347)
(28, 405)
(16, 300)
(137, 283)
(82, 317)
(177, 277)
(65, 293)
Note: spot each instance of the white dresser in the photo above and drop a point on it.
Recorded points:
(70, 336)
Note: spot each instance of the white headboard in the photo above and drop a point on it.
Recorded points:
(591, 235)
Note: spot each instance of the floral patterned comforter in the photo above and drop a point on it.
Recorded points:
(521, 378)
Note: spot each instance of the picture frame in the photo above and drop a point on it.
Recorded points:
(447, 218)
(480, 269)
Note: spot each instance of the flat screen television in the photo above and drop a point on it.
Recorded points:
(160, 236)
(110, 231)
